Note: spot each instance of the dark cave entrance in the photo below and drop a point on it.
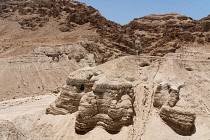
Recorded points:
(82, 88)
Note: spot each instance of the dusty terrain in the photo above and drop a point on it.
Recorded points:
(66, 72)
(145, 73)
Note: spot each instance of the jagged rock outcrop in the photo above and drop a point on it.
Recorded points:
(98, 100)
(179, 119)
(156, 34)
(60, 18)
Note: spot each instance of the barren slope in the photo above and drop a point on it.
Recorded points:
(145, 73)
(28, 24)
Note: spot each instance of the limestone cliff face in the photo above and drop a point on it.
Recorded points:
(61, 22)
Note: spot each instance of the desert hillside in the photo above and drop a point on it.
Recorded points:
(33, 33)
(28, 24)
(165, 97)
(163, 33)
(66, 72)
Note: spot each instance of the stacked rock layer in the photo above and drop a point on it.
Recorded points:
(180, 120)
(100, 101)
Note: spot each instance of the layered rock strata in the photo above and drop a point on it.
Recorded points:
(78, 83)
(167, 94)
(100, 101)
(109, 105)
(180, 120)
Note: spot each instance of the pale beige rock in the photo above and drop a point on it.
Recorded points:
(81, 79)
(166, 93)
(98, 100)
(146, 121)
(181, 120)
(109, 105)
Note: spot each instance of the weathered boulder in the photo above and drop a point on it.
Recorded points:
(180, 120)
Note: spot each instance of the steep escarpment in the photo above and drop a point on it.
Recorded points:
(163, 33)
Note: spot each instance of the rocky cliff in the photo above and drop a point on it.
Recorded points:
(163, 33)
(50, 22)
(28, 24)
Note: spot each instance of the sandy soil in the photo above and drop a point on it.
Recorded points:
(28, 76)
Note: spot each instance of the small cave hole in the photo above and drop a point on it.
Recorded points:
(188, 69)
(82, 88)
(144, 64)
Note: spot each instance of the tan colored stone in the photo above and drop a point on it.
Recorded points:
(181, 120)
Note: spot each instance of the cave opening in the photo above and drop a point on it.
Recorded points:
(82, 88)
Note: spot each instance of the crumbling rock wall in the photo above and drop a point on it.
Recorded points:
(78, 83)
(167, 94)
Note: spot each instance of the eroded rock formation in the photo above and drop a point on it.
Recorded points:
(181, 120)
(98, 100)
(167, 94)
(109, 105)
(78, 83)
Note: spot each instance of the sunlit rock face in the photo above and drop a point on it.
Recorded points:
(100, 101)
(78, 83)
(110, 105)
(166, 93)
(179, 119)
